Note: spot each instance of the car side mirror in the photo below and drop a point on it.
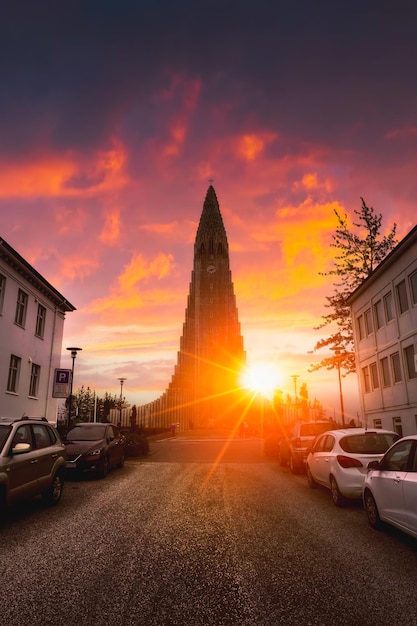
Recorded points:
(374, 465)
(20, 448)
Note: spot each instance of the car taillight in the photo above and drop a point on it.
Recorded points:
(348, 461)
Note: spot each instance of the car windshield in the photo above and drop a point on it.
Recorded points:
(4, 432)
(368, 443)
(313, 428)
(92, 433)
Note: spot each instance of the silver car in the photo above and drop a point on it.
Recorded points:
(390, 487)
(32, 460)
(339, 459)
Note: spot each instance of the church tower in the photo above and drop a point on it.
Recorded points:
(204, 390)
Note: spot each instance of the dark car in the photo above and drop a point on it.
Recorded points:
(94, 447)
(32, 460)
(293, 450)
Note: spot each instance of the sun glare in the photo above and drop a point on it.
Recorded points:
(263, 378)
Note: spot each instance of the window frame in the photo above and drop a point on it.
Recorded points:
(35, 375)
(395, 360)
(40, 321)
(3, 280)
(413, 287)
(388, 307)
(409, 355)
(366, 379)
(13, 376)
(385, 371)
(21, 308)
(402, 297)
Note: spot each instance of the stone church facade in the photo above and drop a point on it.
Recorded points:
(204, 389)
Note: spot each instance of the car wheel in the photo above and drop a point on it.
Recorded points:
(122, 461)
(338, 499)
(372, 510)
(54, 493)
(104, 467)
(311, 482)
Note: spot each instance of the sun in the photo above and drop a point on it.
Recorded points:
(263, 378)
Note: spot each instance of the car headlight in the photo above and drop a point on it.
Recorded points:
(95, 452)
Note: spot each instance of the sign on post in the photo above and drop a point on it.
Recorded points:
(62, 383)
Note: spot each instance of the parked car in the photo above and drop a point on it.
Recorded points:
(339, 459)
(94, 447)
(293, 449)
(390, 487)
(32, 461)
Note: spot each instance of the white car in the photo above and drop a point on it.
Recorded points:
(339, 459)
(390, 488)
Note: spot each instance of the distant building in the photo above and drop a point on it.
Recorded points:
(384, 316)
(32, 314)
(204, 389)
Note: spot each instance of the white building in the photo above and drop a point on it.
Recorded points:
(32, 314)
(384, 316)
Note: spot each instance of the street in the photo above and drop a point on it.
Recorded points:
(202, 532)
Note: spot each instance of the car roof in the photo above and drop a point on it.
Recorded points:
(342, 432)
(90, 424)
(25, 418)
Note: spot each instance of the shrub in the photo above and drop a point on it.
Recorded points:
(136, 445)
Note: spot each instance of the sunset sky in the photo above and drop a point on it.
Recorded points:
(114, 116)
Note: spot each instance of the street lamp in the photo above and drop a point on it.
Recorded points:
(294, 377)
(122, 380)
(73, 355)
(338, 357)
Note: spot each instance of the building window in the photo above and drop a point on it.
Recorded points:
(34, 380)
(396, 367)
(409, 359)
(402, 297)
(389, 313)
(21, 308)
(14, 371)
(377, 423)
(378, 311)
(369, 329)
(386, 377)
(397, 426)
(2, 290)
(413, 287)
(40, 321)
(374, 376)
(359, 323)
(365, 378)
(211, 247)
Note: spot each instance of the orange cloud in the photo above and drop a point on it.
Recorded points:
(125, 295)
(251, 146)
(76, 267)
(63, 175)
(111, 229)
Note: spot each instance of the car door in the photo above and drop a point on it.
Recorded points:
(316, 458)
(323, 459)
(114, 447)
(48, 450)
(410, 492)
(388, 483)
(22, 469)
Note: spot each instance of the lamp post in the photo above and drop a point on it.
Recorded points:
(122, 380)
(73, 355)
(338, 357)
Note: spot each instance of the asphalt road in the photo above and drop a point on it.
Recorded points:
(202, 533)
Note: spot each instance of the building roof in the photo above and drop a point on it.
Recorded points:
(18, 263)
(409, 240)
